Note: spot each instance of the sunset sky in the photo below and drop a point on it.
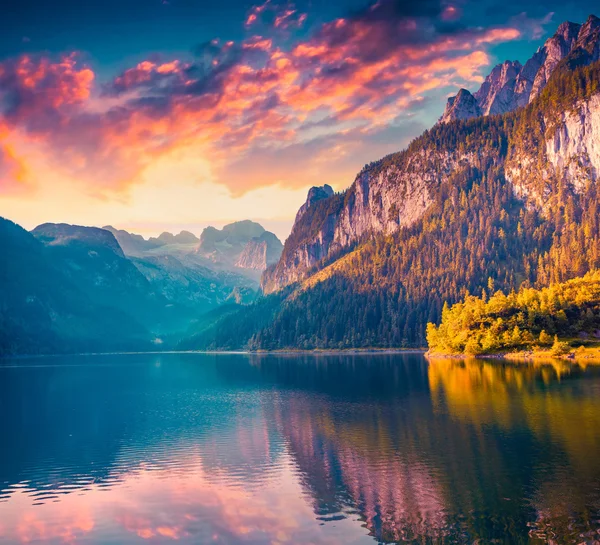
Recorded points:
(155, 115)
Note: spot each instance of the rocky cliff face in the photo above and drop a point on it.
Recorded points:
(569, 152)
(497, 93)
(396, 191)
(315, 194)
(226, 245)
(260, 252)
(510, 86)
(241, 245)
(385, 196)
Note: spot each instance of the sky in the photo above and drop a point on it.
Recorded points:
(154, 115)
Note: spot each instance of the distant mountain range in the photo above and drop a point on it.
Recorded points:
(503, 192)
(68, 288)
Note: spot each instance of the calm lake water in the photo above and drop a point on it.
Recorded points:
(232, 449)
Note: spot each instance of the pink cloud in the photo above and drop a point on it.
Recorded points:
(234, 100)
(255, 13)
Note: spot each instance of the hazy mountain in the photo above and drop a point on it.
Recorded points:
(243, 249)
(260, 252)
(483, 203)
(131, 243)
(93, 260)
(184, 237)
(193, 285)
(68, 288)
(243, 244)
(42, 310)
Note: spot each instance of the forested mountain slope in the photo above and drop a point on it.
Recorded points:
(503, 200)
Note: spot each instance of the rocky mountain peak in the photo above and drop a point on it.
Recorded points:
(396, 191)
(462, 106)
(315, 194)
(587, 29)
(588, 41)
(510, 85)
(568, 31)
(260, 252)
(497, 91)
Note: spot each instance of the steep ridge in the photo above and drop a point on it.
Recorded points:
(387, 195)
(497, 93)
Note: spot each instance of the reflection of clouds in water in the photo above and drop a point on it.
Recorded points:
(158, 507)
(242, 448)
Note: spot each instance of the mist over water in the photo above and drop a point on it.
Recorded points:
(333, 449)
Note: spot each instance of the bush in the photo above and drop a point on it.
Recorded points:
(559, 348)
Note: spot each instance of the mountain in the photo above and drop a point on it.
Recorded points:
(395, 192)
(192, 285)
(130, 243)
(507, 199)
(243, 244)
(462, 106)
(176, 272)
(203, 273)
(240, 251)
(43, 310)
(68, 288)
(511, 85)
(315, 194)
(184, 237)
(94, 262)
(133, 244)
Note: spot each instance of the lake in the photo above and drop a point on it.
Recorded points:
(277, 449)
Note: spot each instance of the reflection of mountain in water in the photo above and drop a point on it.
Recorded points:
(443, 452)
(555, 408)
(457, 451)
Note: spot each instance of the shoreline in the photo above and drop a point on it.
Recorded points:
(289, 352)
(528, 356)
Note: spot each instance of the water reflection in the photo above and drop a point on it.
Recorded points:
(304, 449)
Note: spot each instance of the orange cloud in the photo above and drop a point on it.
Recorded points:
(231, 103)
